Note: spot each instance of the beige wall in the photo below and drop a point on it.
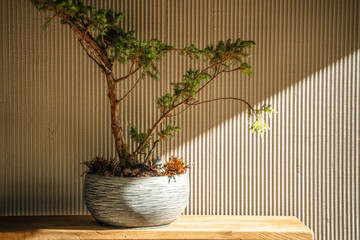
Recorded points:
(54, 111)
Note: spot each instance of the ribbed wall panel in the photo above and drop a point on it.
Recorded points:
(55, 114)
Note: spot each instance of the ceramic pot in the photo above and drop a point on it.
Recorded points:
(136, 201)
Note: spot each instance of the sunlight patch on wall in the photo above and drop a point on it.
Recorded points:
(307, 164)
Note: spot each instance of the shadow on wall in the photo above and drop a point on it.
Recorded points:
(295, 39)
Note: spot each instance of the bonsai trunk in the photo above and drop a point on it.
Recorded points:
(121, 147)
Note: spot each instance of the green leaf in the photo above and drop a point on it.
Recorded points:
(168, 132)
(165, 101)
(259, 126)
(138, 137)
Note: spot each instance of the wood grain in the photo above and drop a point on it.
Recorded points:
(185, 227)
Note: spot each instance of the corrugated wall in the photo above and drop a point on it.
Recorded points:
(54, 110)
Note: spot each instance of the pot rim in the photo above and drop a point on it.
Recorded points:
(121, 177)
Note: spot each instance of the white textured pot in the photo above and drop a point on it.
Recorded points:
(136, 201)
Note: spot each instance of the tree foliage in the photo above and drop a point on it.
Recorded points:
(168, 132)
(102, 36)
(139, 137)
(259, 125)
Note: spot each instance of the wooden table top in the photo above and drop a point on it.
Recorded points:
(185, 227)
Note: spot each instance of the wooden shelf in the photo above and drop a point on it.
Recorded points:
(185, 227)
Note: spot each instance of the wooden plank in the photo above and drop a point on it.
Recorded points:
(185, 227)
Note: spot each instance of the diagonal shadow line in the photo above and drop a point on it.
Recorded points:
(290, 50)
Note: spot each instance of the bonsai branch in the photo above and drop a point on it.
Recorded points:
(128, 75)
(131, 72)
(144, 71)
(180, 112)
(223, 98)
(83, 34)
(53, 16)
(89, 52)
(87, 28)
(234, 70)
(174, 107)
(152, 149)
(156, 125)
(217, 73)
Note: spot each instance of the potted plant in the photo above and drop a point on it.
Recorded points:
(136, 189)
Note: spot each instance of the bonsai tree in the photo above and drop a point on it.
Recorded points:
(103, 39)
